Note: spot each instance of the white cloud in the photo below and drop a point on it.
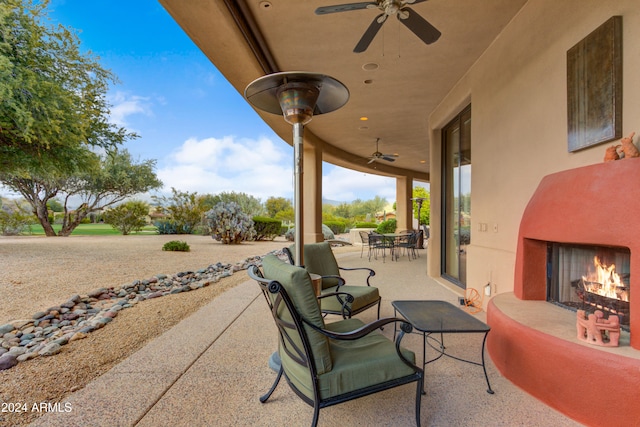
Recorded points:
(124, 105)
(258, 167)
(347, 185)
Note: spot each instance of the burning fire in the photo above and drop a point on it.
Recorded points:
(605, 281)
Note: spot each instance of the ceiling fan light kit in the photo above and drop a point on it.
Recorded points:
(407, 16)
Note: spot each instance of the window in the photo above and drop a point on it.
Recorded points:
(456, 196)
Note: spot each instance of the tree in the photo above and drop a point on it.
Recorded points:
(52, 96)
(425, 209)
(128, 217)
(114, 178)
(273, 205)
(185, 210)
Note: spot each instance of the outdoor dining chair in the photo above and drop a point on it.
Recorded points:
(332, 363)
(347, 300)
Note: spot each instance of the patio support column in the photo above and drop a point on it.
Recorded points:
(312, 189)
(404, 206)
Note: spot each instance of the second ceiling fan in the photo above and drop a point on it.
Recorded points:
(377, 155)
(407, 16)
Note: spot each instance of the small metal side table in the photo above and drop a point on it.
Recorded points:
(441, 317)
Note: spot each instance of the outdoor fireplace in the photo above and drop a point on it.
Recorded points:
(536, 344)
(590, 278)
(556, 214)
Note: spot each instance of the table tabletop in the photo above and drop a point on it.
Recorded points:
(438, 316)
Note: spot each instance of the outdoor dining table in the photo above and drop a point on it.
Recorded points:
(395, 240)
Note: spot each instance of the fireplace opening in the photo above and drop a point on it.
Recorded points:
(590, 278)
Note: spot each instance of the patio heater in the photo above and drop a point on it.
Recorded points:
(297, 95)
(419, 201)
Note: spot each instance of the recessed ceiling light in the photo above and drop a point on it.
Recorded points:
(368, 81)
(364, 119)
(265, 4)
(370, 66)
(423, 161)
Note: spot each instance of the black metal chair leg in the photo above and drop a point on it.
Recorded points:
(316, 414)
(418, 399)
(273, 387)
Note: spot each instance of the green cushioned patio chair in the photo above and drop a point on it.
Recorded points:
(337, 296)
(327, 364)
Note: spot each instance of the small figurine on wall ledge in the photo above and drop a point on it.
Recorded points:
(595, 329)
(628, 149)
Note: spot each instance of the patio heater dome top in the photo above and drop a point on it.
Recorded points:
(298, 95)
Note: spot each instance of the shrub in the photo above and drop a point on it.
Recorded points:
(326, 232)
(166, 226)
(176, 245)
(127, 217)
(266, 228)
(366, 225)
(338, 227)
(229, 224)
(13, 221)
(388, 226)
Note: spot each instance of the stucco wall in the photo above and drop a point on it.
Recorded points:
(517, 91)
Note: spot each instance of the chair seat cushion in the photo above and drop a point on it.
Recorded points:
(362, 363)
(363, 297)
(356, 364)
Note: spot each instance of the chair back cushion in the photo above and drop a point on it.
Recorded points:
(297, 284)
(319, 259)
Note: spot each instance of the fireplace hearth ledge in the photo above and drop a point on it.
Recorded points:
(534, 344)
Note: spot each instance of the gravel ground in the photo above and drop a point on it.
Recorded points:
(40, 272)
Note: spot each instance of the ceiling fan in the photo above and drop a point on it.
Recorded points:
(414, 22)
(377, 155)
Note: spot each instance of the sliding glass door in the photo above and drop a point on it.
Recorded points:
(456, 193)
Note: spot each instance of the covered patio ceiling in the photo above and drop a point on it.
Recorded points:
(396, 83)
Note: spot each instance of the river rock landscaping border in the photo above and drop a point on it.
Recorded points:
(48, 331)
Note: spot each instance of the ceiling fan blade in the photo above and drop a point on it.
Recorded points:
(419, 26)
(388, 159)
(344, 7)
(369, 35)
(371, 160)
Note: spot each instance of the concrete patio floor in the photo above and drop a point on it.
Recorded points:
(210, 369)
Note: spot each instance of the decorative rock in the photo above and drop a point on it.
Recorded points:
(97, 292)
(78, 336)
(8, 361)
(47, 331)
(5, 329)
(27, 356)
(19, 324)
(50, 349)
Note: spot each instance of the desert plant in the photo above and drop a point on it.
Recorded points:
(366, 225)
(337, 226)
(14, 219)
(326, 233)
(388, 226)
(176, 245)
(266, 228)
(127, 217)
(229, 224)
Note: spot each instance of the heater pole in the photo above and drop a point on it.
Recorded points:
(298, 198)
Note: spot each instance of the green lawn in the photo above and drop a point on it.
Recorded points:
(89, 230)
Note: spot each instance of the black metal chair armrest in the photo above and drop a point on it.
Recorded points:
(348, 299)
(371, 272)
(356, 334)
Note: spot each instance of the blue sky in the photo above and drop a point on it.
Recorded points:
(203, 134)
